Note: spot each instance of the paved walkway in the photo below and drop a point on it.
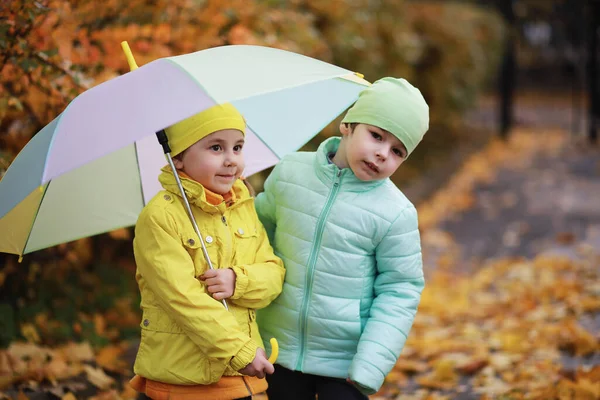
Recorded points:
(549, 204)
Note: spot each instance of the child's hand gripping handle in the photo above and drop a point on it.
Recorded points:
(274, 350)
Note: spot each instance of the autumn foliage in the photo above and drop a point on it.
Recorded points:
(53, 50)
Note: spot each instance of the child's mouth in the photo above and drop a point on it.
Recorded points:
(372, 167)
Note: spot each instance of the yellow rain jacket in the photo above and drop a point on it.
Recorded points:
(188, 338)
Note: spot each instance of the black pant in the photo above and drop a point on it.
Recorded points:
(285, 384)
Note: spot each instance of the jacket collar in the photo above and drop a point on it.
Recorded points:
(196, 193)
(328, 172)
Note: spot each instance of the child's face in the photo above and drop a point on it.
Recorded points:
(215, 161)
(371, 152)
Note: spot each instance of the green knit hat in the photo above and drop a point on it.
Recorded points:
(395, 106)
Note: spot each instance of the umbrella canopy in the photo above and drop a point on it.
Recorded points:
(95, 166)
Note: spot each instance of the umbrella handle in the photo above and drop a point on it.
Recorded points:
(164, 142)
(274, 350)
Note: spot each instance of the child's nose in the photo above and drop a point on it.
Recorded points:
(231, 159)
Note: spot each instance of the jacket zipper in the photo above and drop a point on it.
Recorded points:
(312, 261)
(229, 234)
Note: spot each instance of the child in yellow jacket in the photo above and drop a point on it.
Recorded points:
(191, 346)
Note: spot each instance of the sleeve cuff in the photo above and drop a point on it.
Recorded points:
(241, 282)
(244, 356)
(366, 379)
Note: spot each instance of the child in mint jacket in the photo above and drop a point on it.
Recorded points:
(350, 243)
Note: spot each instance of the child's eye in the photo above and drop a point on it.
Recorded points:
(215, 147)
(376, 135)
(399, 153)
(237, 147)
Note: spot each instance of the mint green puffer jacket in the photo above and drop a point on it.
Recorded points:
(354, 271)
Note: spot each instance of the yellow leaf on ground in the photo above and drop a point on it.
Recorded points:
(69, 396)
(57, 369)
(109, 395)
(593, 374)
(568, 390)
(589, 303)
(590, 386)
(443, 370)
(411, 366)
(431, 382)
(109, 358)
(98, 378)
(396, 377)
(581, 340)
(512, 342)
(22, 350)
(77, 352)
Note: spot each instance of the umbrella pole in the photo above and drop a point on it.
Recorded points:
(164, 141)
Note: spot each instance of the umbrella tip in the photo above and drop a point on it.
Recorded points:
(20, 259)
(361, 76)
(129, 55)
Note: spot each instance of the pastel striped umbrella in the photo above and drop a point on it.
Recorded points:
(94, 167)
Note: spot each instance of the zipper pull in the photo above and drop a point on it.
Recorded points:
(224, 220)
(339, 173)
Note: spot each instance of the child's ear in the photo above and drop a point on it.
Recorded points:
(345, 129)
(177, 161)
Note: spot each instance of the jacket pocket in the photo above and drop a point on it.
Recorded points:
(158, 321)
(246, 244)
(191, 242)
(246, 233)
(166, 354)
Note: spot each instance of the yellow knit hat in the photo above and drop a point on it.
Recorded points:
(187, 132)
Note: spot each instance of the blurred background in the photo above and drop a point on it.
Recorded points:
(491, 71)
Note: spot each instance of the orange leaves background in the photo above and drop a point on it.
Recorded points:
(52, 50)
